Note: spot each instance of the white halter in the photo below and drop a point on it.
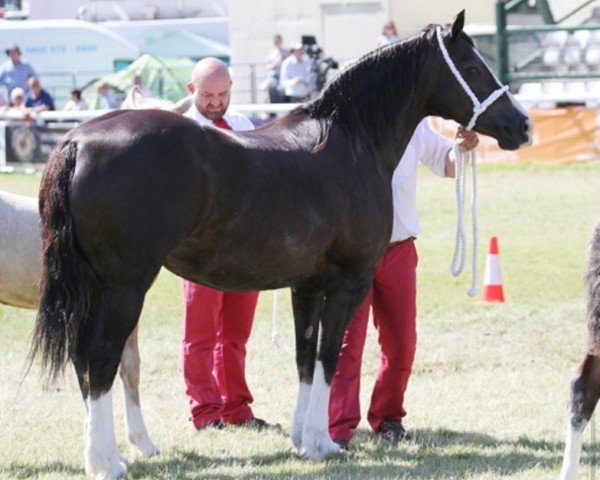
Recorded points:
(478, 107)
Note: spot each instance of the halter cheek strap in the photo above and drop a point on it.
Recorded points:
(478, 107)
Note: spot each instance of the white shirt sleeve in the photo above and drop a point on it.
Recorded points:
(285, 74)
(238, 122)
(434, 149)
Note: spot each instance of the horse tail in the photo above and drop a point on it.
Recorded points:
(65, 287)
(592, 280)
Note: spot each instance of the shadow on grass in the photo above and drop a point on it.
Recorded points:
(15, 470)
(429, 454)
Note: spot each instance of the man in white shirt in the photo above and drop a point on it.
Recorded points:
(217, 324)
(393, 298)
(297, 78)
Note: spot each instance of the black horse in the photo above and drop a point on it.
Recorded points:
(305, 202)
(585, 387)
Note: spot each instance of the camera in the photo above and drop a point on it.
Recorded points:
(320, 66)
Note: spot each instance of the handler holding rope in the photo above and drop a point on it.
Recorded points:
(393, 298)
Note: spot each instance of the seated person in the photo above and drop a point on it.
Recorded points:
(75, 103)
(17, 101)
(38, 99)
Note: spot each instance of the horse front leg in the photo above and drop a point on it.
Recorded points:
(307, 304)
(137, 434)
(115, 319)
(585, 391)
(339, 307)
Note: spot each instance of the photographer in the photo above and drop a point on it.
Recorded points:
(297, 79)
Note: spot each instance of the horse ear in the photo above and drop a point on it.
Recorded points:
(457, 24)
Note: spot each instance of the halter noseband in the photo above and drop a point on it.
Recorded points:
(478, 107)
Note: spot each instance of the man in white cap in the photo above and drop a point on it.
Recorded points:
(15, 72)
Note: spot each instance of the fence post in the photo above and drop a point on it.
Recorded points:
(252, 83)
(501, 42)
(161, 83)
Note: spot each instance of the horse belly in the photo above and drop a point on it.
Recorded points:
(245, 264)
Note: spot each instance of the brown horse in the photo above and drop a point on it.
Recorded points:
(305, 202)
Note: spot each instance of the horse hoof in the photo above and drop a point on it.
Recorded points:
(144, 445)
(318, 445)
(297, 437)
(108, 468)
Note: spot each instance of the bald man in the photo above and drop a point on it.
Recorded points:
(217, 324)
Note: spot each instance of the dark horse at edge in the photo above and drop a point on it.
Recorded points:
(585, 387)
(305, 202)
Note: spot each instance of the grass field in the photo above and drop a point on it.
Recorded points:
(487, 399)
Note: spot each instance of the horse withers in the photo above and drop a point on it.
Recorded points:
(585, 387)
(305, 202)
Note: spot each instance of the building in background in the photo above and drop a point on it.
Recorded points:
(344, 29)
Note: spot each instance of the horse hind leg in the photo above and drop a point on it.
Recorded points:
(116, 317)
(585, 392)
(137, 434)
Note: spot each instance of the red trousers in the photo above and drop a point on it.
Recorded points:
(393, 298)
(217, 326)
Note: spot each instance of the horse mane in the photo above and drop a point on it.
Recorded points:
(354, 99)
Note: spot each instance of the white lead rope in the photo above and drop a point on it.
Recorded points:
(462, 159)
(275, 333)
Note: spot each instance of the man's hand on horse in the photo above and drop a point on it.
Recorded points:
(466, 139)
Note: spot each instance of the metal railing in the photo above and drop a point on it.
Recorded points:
(531, 67)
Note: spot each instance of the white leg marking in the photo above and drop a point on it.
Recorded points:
(316, 442)
(300, 413)
(102, 458)
(136, 428)
(570, 464)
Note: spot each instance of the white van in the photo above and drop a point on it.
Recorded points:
(67, 54)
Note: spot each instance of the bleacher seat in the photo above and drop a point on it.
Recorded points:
(573, 51)
(553, 44)
(530, 89)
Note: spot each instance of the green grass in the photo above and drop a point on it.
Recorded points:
(488, 395)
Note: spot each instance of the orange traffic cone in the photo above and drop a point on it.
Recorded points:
(492, 284)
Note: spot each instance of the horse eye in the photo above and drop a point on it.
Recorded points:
(473, 71)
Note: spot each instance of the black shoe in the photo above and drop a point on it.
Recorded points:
(392, 431)
(344, 444)
(259, 424)
(217, 424)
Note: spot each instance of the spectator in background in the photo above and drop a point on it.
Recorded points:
(37, 98)
(297, 79)
(17, 101)
(276, 57)
(75, 103)
(388, 35)
(106, 98)
(139, 83)
(15, 72)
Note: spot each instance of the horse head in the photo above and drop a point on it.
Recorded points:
(480, 102)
